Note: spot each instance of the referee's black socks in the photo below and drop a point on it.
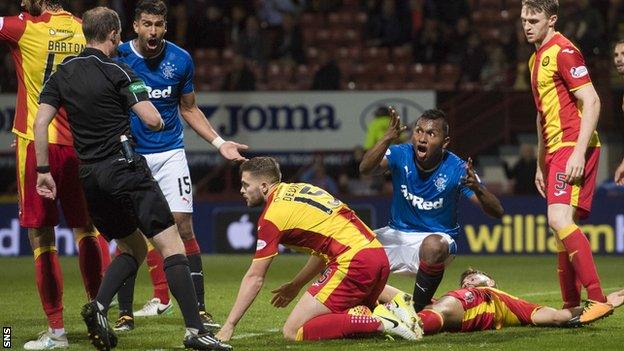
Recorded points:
(181, 286)
(125, 296)
(121, 268)
(197, 274)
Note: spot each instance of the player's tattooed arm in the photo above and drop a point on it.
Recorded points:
(287, 292)
(373, 160)
(482, 197)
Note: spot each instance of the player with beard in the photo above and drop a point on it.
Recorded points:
(39, 39)
(167, 70)
(428, 181)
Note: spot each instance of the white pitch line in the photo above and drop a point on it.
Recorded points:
(554, 292)
(250, 335)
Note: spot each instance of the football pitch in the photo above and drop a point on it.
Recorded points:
(531, 278)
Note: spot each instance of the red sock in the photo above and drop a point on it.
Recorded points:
(432, 321)
(157, 273)
(337, 326)
(191, 247)
(106, 259)
(90, 263)
(570, 286)
(50, 284)
(579, 252)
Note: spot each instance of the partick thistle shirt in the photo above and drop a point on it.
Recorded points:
(557, 71)
(307, 218)
(38, 45)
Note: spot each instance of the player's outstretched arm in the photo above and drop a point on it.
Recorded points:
(550, 317)
(619, 174)
(373, 160)
(250, 287)
(482, 197)
(45, 183)
(287, 292)
(197, 120)
(148, 113)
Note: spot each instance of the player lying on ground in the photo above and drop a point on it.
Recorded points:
(354, 264)
(479, 305)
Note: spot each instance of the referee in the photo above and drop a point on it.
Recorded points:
(124, 200)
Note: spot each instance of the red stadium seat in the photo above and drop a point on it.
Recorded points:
(376, 54)
(402, 54)
(421, 72)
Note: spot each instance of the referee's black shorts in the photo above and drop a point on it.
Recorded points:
(123, 197)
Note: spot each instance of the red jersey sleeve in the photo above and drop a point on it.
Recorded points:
(572, 68)
(12, 28)
(268, 239)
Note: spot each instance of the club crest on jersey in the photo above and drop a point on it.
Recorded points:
(545, 61)
(440, 182)
(469, 296)
(168, 69)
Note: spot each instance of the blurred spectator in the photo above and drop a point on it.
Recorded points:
(240, 77)
(252, 44)
(418, 11)
(324, 5)
(495, 72)
(458, 40)
(586, 27)
(351, 181)
(327, 77)
(473, 60)
(238, 16)
(450, 11)
(317, 175)
(387, 25)
(429, 47)
(207, 28)
(271, 11)
(289, 44)
(523, 171)
(377, 127)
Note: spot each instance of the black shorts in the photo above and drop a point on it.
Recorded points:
(123, 197)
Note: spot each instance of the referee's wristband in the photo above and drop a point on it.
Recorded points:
(43, 169)
(218, 142)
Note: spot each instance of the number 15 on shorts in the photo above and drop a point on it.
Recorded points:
(184, 185)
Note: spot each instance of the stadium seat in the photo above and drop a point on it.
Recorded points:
(402, 54)
(376, 54)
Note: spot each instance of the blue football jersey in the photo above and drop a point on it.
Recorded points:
(425, 202)
(167, 76)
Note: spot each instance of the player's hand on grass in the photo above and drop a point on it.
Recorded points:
(575, 167)
(284, 294)
(231, 151)
(616, 299)
(539, 182)
(619, 174)
(225, 333)
(471, 180)
(46, 187)
(395, 128)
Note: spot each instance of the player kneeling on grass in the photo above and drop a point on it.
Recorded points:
(479, 305)
(354, 265)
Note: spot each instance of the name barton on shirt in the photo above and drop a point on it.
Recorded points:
(65, 47)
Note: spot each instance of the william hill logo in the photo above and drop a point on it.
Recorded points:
(530, 234)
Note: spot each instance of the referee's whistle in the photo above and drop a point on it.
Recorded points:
(126, 148)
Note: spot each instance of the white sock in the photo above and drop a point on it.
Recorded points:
(57, 332)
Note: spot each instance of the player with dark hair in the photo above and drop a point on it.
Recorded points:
(479, 305)
(354, 265)
(428, 181)
(618, 61)
(167, 70)
(39, 39)
(568, 109)
(123, 197)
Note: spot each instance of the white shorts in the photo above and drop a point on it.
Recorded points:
(171, 171)
(402, 248)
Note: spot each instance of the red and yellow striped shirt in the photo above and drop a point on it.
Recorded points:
(38, 45)
(306, 218)
(557, 71)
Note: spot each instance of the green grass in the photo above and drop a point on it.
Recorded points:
(532, 278)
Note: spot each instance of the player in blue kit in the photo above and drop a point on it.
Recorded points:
(428, 181)
(167, 71)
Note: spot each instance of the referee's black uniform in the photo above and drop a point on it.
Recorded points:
(121, 193)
